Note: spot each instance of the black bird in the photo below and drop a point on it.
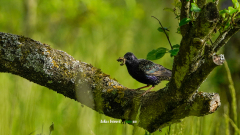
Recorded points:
(145, 71)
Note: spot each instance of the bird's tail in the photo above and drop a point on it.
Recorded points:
(167, 75)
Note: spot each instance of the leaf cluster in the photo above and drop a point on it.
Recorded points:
(194, 9)
(227, 21)
(161, 51)
(229, 15)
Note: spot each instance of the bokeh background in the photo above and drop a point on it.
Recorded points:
(98, 32)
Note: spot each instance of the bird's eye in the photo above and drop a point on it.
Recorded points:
(128, 58)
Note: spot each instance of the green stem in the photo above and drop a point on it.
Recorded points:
(232, 92)
(164, 32)
(226, 113)
(232, 123)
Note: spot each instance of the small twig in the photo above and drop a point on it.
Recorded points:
(176, 13)
(164, 32)
(211, 41)
(219, 40)
(216, 2)
(223, 38)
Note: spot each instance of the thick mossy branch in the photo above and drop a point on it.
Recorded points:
(198, 105)
(201, 3)
(192, 45)
(196, 59)
(194, 80)
(184, 14)
(206, 21)
(84, 83)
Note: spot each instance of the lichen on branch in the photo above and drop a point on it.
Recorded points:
(88, 85)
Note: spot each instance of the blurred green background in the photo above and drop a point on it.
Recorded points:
(98, 32)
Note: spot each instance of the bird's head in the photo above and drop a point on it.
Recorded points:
(127, 59)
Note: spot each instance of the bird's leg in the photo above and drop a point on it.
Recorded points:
(147, 91)
(139, 88)
(142, 87)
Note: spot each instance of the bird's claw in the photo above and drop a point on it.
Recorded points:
(121, 59)
(144, 94)
(134, 89)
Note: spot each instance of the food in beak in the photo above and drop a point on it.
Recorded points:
(121, 59)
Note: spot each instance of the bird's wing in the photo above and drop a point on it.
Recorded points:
(160, 71)
(150, 68)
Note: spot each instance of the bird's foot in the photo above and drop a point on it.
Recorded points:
(142, 87)
(146, 92)
(135, 89)
(132, 89)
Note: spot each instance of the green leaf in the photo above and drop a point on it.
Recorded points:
(184, 21)
(223, 12)
(235, 3)
(177, 16)
(238, 16)
(195, 8)
(232, 10)
(178, 30)
(174, 51)
(177, 4)
(156, 53)
(161, 30)
(160, 55)
(176, 46)
(228, 24)
(168, 9)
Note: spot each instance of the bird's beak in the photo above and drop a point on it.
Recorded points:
(121, 59)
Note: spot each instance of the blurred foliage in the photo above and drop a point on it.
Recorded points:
(96, 32)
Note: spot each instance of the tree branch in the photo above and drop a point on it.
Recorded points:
(226, 35)
(84, 83)
(206, 21)
(201, 3)
(191, 47)
(223, 38)
(184, 14)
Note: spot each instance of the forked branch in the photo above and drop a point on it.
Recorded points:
(84, 83)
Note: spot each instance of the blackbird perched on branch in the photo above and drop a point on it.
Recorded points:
(145, 71)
